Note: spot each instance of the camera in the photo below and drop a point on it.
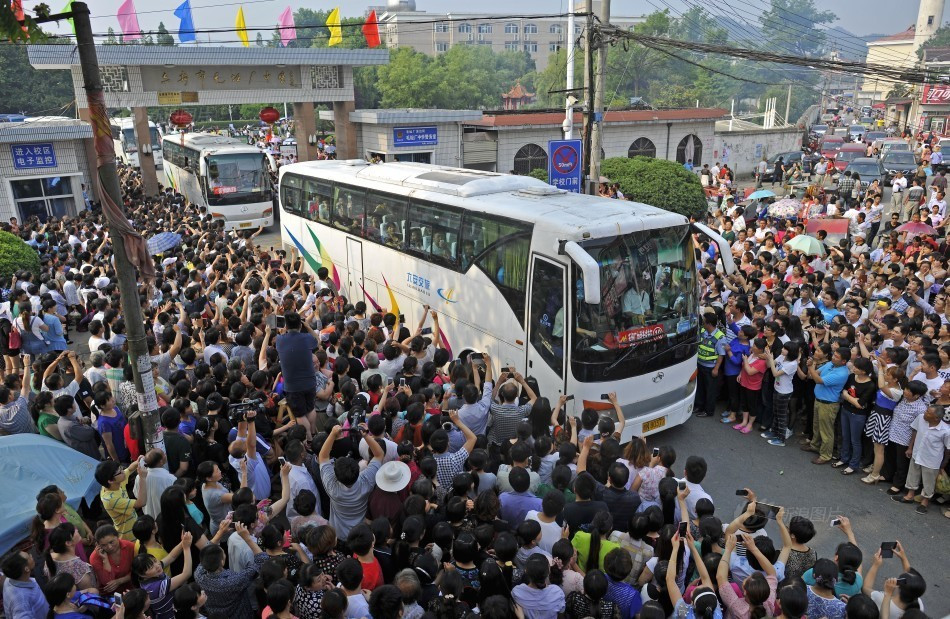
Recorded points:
(238, 412)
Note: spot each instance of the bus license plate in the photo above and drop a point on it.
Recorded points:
(653, 424)
(246, 224)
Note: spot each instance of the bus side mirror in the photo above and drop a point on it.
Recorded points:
(202, 166)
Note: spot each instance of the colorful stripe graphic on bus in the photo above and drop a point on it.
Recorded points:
(311, 262)
(325, 259)
(372, 301)
(394, 306)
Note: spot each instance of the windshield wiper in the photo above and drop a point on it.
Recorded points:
(647, 359)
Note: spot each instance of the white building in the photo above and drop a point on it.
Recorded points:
(401, 25)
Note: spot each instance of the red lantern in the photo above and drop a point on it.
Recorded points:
(269, 115)
(180, 118)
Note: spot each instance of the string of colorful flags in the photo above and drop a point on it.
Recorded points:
(129, 25)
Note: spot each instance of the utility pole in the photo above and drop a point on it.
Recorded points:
(569, 107)
(109, 186)
(599, 85)
(589, 34)
(788, 106)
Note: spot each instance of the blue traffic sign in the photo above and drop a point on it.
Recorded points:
(564, 165)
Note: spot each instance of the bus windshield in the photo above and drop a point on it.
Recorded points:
(237, 178)
(648, 305)
(129, 139)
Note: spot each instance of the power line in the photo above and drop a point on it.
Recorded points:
(911, 75)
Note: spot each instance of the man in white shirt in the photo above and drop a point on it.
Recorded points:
(394, 357)
(804, 302)
(300, 478)
(898, 187)
(158, 480)
(761, 232)
(474, 413)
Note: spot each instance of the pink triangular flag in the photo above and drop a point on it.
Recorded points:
(129, 21)
(288, 32)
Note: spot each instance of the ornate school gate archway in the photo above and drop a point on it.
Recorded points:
(138, 76)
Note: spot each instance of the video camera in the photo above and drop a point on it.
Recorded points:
(238, 412)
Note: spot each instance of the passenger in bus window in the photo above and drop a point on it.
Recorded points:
(415, 240)
(467, 255)
(391, 235)
(373, 223)
(440, 246)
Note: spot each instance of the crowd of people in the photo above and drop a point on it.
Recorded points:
(318, 459)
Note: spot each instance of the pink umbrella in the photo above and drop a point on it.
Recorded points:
(917, 228)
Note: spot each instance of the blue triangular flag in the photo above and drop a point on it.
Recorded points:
(186, 30)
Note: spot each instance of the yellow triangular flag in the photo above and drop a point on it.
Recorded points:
(242, 27)
(333, 23)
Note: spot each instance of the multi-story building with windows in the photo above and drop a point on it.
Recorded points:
(401, 25)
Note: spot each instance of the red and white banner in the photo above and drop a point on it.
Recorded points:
(639, 335)
(936, 94)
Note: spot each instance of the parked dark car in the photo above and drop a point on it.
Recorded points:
(869, 168)
(898, 161)
(807, 160)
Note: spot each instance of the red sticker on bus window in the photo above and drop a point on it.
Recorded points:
(224, 189)
(638, 335)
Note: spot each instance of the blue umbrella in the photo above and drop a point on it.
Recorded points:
(761, 193)
(30, 462)
(162, 242)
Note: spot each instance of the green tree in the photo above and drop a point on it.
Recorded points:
(15, 256)
(111, 38)
(539, 173)
(553, 78)
(630, 71)
(12, 30)
(674, 95)
(49, 92)
(260, 40)
(164, 38)
(940, 38)
(657, 182)
(407, 80)
(784, 24)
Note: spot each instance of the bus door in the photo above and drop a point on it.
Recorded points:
(547, 315)
(354, 268)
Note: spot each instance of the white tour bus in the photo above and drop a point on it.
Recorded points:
(126, 147)
(225, 174)
(548, 281)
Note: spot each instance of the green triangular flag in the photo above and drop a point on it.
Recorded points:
(67, 9)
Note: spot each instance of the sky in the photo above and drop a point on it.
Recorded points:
(263, 13)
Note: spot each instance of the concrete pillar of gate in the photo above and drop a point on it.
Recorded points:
(345, 130)
(305, 127)
(143, 137)
(89, 144)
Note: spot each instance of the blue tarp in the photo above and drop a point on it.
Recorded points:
(28, 463)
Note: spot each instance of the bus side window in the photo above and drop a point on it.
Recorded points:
(433, 232)
(348, 212)
(292, 197)
(501, 248)
(390, 213)
(319, 198)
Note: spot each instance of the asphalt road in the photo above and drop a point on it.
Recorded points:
(785, 476)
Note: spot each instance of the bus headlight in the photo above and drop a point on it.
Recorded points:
(691, 385)
(268, 212)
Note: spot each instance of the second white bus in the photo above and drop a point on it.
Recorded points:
(587, 295)
(127, 148)
(226, 175)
